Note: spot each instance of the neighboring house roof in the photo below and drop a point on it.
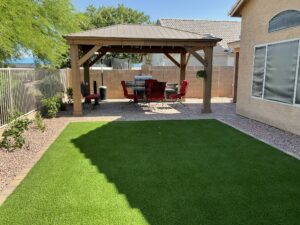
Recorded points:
(133, 31)
(227, 30)
(234, 44)
(234, 12)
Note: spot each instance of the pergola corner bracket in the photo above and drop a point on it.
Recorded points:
(88, 55)
(188, 59)
(101, 54)
(172, 59)
(198, 57)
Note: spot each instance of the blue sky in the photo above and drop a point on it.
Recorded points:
(184, 9)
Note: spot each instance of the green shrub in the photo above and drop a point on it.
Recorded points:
(50, 85)
(13, 134)
(51, 106)
(38, 122)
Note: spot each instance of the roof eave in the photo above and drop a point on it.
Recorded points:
(234, 12)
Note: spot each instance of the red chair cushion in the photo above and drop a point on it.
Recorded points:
(94, 96)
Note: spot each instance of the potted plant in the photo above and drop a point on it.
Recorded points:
(201, 74)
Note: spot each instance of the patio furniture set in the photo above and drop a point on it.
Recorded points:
(143, 89)
(147, 89)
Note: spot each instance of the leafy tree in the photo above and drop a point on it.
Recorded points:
(36, 26)
(107, 16)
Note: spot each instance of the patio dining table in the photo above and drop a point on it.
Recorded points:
(139, 89)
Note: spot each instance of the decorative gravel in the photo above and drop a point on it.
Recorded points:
(284, 141)
(11, 163)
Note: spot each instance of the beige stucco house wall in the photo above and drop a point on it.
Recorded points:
(256, 15)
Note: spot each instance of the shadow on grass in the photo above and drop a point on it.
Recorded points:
(195, 172)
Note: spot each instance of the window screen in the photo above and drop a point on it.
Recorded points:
(285, 19)
(298, 87)
(258, 72)
(281, 72)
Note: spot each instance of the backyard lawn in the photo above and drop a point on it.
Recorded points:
(157, 173)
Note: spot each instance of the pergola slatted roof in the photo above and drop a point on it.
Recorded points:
(139, 39)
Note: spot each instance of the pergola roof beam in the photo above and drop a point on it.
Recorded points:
(170, 43)
(142, 49)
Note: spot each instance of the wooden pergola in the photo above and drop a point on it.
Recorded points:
(139, 39)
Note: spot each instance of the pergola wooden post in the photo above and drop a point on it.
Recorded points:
(207, 80)
(139, 39)
(182, 66)
(77, 106)
(207, 62)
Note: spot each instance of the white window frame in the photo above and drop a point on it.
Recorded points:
(297, 75)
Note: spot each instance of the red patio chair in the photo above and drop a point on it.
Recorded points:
(87, 96)
(131, 97)
(182, 92)
(156, 91)
(148, 85)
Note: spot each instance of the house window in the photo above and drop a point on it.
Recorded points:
(281, 71)
(285, 19)
(297, 101)
(276, 72)
(259, 71)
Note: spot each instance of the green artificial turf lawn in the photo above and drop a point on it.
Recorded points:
(157, 173)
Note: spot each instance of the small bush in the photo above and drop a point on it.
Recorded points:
(38, 122)
(51, 106)
(50, 85)
(13, 134)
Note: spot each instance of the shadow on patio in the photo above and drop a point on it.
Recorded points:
(122, 110)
